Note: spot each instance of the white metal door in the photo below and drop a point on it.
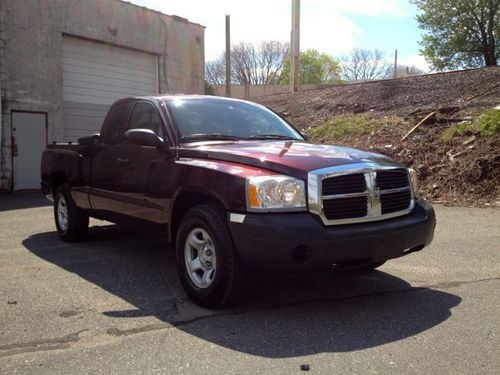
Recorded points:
(29, 131)
(95, 75)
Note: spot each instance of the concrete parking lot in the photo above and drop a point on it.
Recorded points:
(114, 305)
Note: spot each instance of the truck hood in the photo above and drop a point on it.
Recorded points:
(287, 157)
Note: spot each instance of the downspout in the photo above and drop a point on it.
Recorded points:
(164, 57)
(2, 67)
(1, 128)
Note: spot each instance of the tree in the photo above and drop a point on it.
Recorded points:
(252, 65)
(215, 71)
(314, 68)
(364, 64)
(460, 33)
(407, 71)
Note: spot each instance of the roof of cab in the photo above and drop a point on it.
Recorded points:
(158, 98)
(182, 96)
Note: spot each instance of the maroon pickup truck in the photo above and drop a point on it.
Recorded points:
(235, 189)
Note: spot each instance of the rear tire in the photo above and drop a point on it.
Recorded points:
(207, 263)
(71, 222)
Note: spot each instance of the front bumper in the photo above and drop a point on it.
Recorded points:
(300, 242)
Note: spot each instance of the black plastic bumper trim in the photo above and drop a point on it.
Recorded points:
(266, 242)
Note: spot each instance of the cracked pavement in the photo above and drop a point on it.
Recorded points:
(114, 305)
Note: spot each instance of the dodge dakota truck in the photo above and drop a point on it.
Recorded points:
(234, 188)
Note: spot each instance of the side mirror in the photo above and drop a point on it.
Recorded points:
(144, 137)
(88, 140)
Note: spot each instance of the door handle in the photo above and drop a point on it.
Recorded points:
(123, 161)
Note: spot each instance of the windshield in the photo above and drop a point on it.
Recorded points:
(213, 118)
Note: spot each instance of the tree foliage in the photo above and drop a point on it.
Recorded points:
(261, 65)
(460, 33)
(364, 64)
(314, 68)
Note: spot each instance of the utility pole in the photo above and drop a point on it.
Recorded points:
(228, 56)
(396, 64)
(295, 46)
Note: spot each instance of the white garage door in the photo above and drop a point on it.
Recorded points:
(94, 76)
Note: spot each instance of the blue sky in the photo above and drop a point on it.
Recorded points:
(388, 33)
(331, 26)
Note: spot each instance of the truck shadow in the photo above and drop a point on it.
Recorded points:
(281, 316)
(23, 199)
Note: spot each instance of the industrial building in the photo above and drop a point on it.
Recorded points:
(64, 62)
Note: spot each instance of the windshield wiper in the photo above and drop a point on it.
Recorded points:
(272, 136)
(211, 136)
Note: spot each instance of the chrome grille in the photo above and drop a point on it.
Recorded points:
(387, 180)
(345, 208)
(351, 183)
(359, 193)
(395, 202)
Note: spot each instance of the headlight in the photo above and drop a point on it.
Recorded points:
(413, 181)
(275, 193)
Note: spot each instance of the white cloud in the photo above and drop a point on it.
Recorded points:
(336, 36)
(324, 24)
(416, 61)
(359, 7)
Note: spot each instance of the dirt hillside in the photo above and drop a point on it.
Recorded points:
(456, 161)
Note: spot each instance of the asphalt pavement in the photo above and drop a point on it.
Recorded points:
(114, 305)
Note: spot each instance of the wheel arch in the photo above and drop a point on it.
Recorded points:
(56, 179)
(185, 200)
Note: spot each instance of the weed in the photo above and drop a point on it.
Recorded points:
(489, 122)
(448, 134)
(465, 126)
(487, 125)
(340, 126)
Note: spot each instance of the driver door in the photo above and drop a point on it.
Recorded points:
(143, 170)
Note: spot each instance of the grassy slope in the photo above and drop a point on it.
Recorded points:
(456, 163)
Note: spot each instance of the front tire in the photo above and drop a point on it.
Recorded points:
(71, 222)
(372, 266)
(207, 263)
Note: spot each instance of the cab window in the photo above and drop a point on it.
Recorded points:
(115, 127)
(145, 116)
